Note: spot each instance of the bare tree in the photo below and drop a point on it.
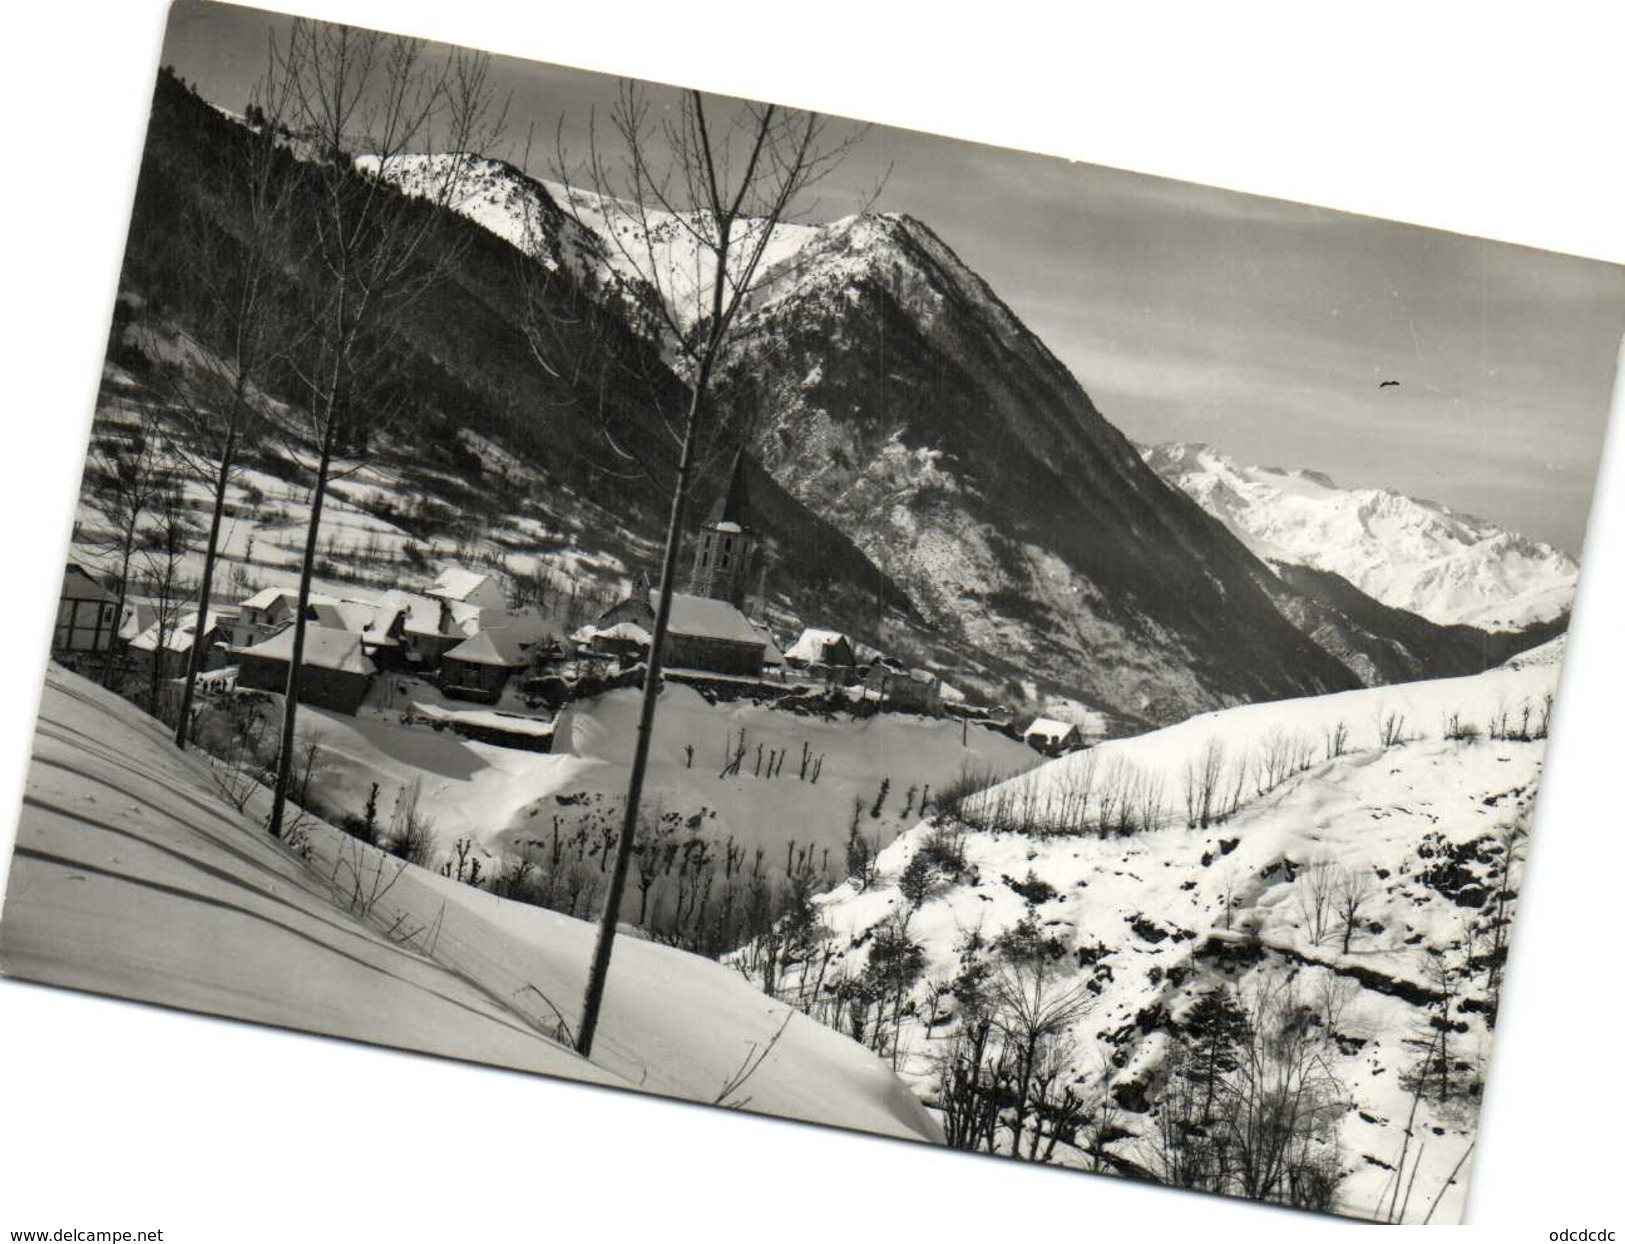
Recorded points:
(240, 251)
(725, 184)
(1033, 1011)
(971, 1082)
(124, 475)
(1333, 995)
(1352, 890)
(363, 103)
(164, 549)
(1202, 778)
(1281, 1103)
(1317, 890)
(1438, 1073)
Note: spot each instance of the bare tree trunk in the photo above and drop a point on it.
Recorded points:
(290, 705)
(194, 662)
(593, 1000)
(127, 551)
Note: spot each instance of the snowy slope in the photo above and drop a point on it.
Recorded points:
(1147, 921)
(132, 878)
(1412, 555)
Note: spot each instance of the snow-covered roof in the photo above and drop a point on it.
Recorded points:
(709, 618)
(179, 635)
(809, 647)
(486, 719)
(422, 612)
(1048, 728)
(626, 632)
(485, 648)
(325, 648)
(327, 613)
(266, 597)
(465, 617)
(455, 583)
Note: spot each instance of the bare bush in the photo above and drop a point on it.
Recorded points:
(411, 832)
(1390, 728)
(1336, 740)
(1455, 730)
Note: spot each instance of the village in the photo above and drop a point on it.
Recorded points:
(703, 616)
(460, 655)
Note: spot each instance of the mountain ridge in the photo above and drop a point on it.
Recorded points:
(1407, 553)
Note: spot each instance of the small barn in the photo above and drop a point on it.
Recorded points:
(267, 611)
(479, 667)
(1052, 737)
(86, 614)
(180, 635)
(624, 641)
(335, 673)
(824, 654)
(906, 690)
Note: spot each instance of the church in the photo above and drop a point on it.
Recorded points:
(708, 632)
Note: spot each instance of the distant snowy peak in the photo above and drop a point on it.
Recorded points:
(1415, 555)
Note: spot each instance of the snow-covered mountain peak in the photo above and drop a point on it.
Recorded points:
(1408, 553)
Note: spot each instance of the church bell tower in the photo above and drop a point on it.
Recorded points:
(725, 553)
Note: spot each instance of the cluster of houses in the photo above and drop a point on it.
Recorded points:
(461, 632)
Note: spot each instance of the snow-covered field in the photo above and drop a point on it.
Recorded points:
(1145, 922)
(131, 877)
(501, 797)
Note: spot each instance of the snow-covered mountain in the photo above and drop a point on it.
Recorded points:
(600, 240)
(1413, 555)
(896, 397)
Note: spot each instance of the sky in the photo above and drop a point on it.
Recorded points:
(1261, 327)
